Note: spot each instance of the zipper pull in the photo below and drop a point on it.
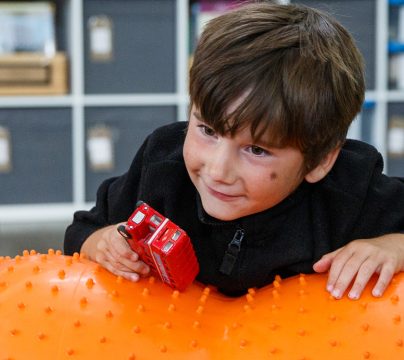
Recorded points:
(231, 254)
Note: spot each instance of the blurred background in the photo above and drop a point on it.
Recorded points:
(82, 82)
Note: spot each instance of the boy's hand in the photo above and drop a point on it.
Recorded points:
(107, 247)
(359, 260)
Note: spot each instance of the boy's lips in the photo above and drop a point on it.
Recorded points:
(221, 195)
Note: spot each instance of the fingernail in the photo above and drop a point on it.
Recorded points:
(376, 293)
(353, 295)
(336, 293)
(330, 287)
(134, 277)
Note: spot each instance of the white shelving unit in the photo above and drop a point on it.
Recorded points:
(379, 96)
(77, 100)
(382, 95)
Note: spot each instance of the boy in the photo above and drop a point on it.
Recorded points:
(262, 171)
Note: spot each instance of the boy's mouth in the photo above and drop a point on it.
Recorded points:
(221, 195)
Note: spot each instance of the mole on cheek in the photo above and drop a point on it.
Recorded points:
(273, 176)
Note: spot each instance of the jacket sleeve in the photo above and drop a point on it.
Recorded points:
(356, 200)
(383, 210)
(115, 201)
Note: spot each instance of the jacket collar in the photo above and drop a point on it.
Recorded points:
(255, 221)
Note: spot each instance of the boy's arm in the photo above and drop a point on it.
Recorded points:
(116, 198)
(360, 259)
(378, 232)
(95, 232)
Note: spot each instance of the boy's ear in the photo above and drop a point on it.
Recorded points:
(322, 169)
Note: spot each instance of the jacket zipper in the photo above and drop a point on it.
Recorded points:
(232, 252)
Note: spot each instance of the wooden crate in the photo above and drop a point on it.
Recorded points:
(33, 74)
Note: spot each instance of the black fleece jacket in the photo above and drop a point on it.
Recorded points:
(355, 200)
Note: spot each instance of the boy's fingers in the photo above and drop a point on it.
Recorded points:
(127, 265)
(121, 250)
(346, 270)
(111, 258)
(136, 266)
(366, 270)
(100, 258)
(383, 281)
(118, 247)
(337, 266)
(101, 253)
(325, 262)
(131, 276)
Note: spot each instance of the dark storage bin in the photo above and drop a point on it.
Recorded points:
(143, 47)
(368, 115)
(41, 156)
(396, 166)
(395, 163)
(126, 128)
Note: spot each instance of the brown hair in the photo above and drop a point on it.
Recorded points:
(297, 69)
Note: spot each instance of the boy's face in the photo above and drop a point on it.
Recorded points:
(234, 176)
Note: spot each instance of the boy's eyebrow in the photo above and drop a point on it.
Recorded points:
(264, 144)
(268, 144)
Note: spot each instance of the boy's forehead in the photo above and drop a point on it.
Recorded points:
(235, 104)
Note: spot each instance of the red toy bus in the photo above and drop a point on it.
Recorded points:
(162, 245)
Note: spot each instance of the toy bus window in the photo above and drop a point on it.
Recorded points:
(176, 235)
(137, 219)
(156, 220)
(168, 246)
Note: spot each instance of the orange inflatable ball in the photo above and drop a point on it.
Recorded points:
(60, 307)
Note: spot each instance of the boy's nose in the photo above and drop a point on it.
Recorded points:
(220, 166)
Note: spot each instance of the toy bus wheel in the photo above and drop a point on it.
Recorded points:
(122, 230)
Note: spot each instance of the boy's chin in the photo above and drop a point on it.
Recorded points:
(221, 213)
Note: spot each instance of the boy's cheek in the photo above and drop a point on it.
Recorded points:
(192, 156)
(190, 165)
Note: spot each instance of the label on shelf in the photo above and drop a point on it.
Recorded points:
(5, 150)
(100, 148)
(100, 34)
(396, 137)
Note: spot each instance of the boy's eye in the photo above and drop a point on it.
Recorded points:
(207, 130)
(257, 151)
